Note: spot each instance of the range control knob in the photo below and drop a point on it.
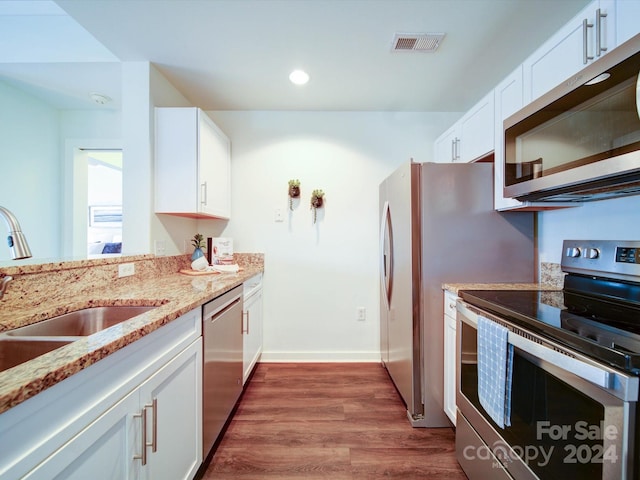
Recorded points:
(573, 252)
(592, 253)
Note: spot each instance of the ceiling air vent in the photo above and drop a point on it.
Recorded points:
(417, 42)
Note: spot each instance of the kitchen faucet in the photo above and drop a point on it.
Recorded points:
(16, 239)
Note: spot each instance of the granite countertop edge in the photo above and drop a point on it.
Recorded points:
(174, 295)
(457, 287)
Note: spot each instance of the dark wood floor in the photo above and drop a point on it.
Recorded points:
(328, 421)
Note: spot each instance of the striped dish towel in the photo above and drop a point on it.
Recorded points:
(495, 366)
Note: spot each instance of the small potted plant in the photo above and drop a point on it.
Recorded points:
(198, 243)
(317, 197)
(294, 191)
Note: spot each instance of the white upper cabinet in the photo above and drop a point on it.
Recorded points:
(446, 147)
(588, 36)
(476, 130)
(508, 100)
(192, 165)
(627, 19)
(470, 138)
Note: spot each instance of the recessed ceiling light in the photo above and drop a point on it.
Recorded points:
(299, 77)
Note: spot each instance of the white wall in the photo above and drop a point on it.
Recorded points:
(316, 275)
(616, 219)
(34, 178)
(30, 170)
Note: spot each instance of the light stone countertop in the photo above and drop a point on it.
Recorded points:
(173, 292)
(456, 287)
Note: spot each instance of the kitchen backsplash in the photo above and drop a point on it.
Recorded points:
(551, 274)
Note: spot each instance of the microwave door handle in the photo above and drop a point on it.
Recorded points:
(586, 371)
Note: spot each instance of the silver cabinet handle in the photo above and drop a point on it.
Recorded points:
(243, 331)
(143, 422)
(203, 191)
(455, 151)
(585, 41)
(154, 428)
(599, 47)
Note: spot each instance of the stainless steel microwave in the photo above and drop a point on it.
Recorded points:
(580, 141)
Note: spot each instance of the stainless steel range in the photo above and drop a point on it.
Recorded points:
(547, 381)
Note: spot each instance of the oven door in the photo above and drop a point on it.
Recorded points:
(571, 418)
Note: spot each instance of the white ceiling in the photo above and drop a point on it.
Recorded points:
(237, 54)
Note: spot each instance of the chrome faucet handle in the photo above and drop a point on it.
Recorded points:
(3, 284)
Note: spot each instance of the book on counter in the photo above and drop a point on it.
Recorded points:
(220, 250)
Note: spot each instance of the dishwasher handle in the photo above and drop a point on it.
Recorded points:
(219, 312)
(221, 304)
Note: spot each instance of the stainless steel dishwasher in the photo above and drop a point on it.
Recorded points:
(222, 372)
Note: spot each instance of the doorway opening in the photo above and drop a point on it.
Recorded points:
(104, 202)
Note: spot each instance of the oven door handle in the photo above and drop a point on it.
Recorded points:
(586, 371)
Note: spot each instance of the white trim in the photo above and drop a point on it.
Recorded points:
(333, 357)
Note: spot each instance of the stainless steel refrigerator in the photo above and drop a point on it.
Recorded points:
(438, 226)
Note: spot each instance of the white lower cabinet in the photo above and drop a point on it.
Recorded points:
(450, 356)
(172, 403)
(252, 326)
(92, 425)
(103, 450)
(116, 444)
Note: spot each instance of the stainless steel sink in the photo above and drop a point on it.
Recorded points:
(80, 323)
(16, 351)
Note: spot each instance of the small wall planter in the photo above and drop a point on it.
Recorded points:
(294, 191)
(317, 201)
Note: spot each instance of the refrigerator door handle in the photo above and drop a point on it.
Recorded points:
(386, 254)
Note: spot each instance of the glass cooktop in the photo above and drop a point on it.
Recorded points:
(604, 328)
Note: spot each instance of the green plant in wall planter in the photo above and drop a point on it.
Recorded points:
(294, 191)
(317, 200)
(198, 243)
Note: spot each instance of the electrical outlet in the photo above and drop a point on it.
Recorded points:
(361, 313)
(160, 247)
(126, 269)
(279, 217)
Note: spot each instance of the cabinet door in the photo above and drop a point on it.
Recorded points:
(476, 130)
(252, 334)
(192, 165)
(627, 24)
(172, 401)
(450, 357)
(104, 450)
(176, 153)
(215, 169)
(508, 100)
(570, 49)
(446, 147)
